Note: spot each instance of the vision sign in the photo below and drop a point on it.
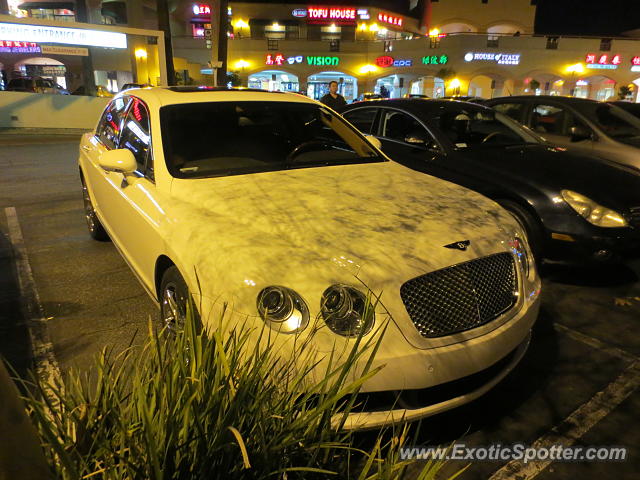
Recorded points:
(337, 15)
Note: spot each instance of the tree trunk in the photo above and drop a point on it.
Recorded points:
(164, 24)
(88, 78)
(222, 43)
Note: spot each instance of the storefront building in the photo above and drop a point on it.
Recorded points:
(451, 47)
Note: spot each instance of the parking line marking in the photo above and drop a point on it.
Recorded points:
(595, 343)
(577, 424)
(43, 356)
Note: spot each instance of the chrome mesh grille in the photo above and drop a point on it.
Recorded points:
(461, 297)
(634, 217)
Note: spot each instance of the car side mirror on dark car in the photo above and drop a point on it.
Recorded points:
(579, 133)
(414, 140)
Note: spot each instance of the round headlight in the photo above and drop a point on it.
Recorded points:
(347, 311)
(282, 309)
(521, 251)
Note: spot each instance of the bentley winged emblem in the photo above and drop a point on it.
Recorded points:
(462, 245)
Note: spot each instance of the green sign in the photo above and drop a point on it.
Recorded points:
(319, 61)
(435, 60)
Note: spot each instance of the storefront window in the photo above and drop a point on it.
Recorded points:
(57, 14)
(274, 81)
(318, 85)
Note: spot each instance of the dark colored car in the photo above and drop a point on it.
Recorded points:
(590, 127)
(575, 208)
(466, 99)
(35, 85)
(629, 107)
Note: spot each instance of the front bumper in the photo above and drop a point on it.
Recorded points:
(593, 245)
(439, 379)
(477, 385)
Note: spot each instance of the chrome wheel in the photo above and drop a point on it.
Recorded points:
(89, 212)
(174, 309)
(96, 230)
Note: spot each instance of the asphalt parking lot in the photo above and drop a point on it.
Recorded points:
(578, 383)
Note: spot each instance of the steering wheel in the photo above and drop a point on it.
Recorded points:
(490, 136)
(304, 147)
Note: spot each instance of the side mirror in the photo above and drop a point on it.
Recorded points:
(374, 141)
(579, 133)
(120, 160)
(414, 140)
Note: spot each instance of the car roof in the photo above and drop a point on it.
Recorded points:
(556, 98)
(161, 96)
(418, 105)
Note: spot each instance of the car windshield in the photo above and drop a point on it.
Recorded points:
(230, 138)
(617, 123)
(473, 128)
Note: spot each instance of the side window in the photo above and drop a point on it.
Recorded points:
(513, 110)
(404, 128)
(362, 119)
(135, 133)
(109, 127)
(549, 119)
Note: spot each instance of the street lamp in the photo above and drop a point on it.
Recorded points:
(573, 69)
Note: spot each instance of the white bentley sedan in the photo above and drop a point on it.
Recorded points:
(275, 205)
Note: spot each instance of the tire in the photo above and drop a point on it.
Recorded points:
(96, 230)
(530, 225)
(174, 296)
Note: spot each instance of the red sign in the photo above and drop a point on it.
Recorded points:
(385, 61)
(340, 15)
(603, 59)
(201, 9)
(392, 19)
(275, 59)
(635, 61)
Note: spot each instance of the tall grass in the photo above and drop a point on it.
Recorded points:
(210, 405)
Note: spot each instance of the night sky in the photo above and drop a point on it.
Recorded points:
(587, 17)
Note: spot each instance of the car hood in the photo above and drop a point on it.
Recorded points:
(378, 223)
(552, 169)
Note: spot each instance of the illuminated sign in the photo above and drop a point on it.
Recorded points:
(67, 36)
(8, 46)
(499, 58)
(582, 83)
(385, 61)
(340, 15)
(59, 50)
(392, 19)
(388, 61)
(201, 9)
(323, 60)
(299, 12)
(435, 60)
(280, 59)
(363, 13)
(602, 61)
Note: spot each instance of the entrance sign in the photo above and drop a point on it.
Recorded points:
(68, 36)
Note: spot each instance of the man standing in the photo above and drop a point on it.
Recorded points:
(333, 99)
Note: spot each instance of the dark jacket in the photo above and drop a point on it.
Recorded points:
(334, 103)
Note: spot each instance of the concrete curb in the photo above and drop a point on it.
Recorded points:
(21, 455)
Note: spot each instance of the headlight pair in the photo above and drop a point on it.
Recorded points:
(346, 310)
(592, 212)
